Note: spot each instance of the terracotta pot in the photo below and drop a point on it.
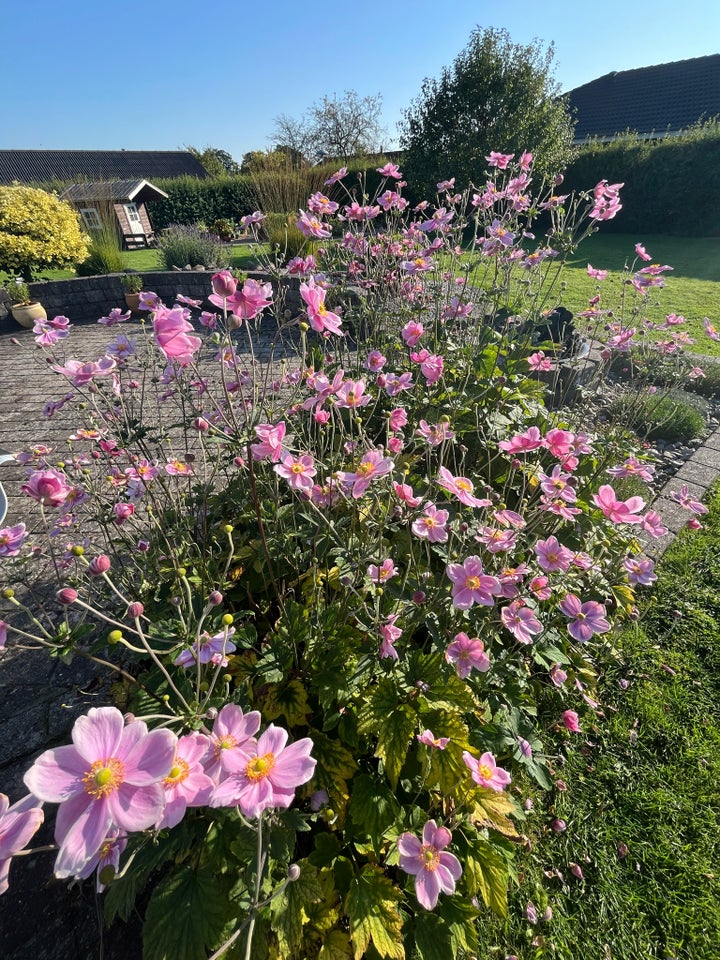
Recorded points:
(26, 314)
(133, 301)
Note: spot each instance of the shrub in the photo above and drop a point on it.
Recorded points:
(224, 228)
(132, 282)
(281, 231)
(190, 200)
(672, 416)
(38, 230)
(105, 253)
(181, 246)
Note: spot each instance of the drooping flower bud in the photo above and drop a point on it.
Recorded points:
(99, 565)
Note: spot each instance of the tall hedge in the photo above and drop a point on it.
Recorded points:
(191, 200)
(672, 186)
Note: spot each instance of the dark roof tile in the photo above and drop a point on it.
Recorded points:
(45, 166)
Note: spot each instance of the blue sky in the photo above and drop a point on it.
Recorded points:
(160, 74)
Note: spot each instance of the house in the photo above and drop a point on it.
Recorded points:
(121, 202)
(653, 102)
(71, 166)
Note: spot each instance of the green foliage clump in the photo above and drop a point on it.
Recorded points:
(672, 416)
(191, 200)
(105, 253)
(224, 228)
(181, 246)
(282, 233)
(497, 95)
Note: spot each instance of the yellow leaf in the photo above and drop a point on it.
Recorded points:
(372, 905)
(493, 809)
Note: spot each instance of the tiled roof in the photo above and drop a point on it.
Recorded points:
(44, 166)
(662, 99)
(113, 190)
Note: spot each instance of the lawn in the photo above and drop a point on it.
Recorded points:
(642, 804)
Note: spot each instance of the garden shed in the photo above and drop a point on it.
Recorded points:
(121, 202)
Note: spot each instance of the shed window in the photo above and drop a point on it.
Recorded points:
(91, 218)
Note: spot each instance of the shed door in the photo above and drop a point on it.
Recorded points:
(131, 212)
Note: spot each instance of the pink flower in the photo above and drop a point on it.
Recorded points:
(618, 511)
(432, 368)
(298, 471)
(521, 621)
(436, 433)
(486, 772)
(461, 487)
(432, 525)
(435, 870)
(381, 574)
(3, 634)
(310, 226)
(271, 438)
(406, 494)
(371, 466)
(640, 571)
(497, 541)
(108, 855)
(395, 384)
(123, 512)
(538, 361)
(652, 523)
(187, 784)
(428, 738)
(552, 555)
(115, 316)
(642, 252)
(571, 721)
(686, 500)
(586, 618)
(523, 442)
(390, 633)
(338, 175)
(48, 487)
(251, 300)
(251, 219)
(111, 776)
(321, 319)
(596, 274)
(232, 730)
(558, 675)
(375, 361)
(18, 823)
(352, 395)
(224, 285)
(206, 648)
(412, 332)
(467, 654)
(471, 585)
(390, 170)
(398, 418)
(267, 773)
(178, 468)
(499, 160)
(322, 205)
(710, 329)
(12, 539)
(539, 586)
(632, 467)
(81, 373)
(173, 334)
(559, 442)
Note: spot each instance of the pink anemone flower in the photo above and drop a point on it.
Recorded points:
(18, 823)
(618, 511)
(471, 585)
(435, 870)
(586, 618)
(486, 772)
(461, 487)
(267, 775)
(232, 730)
(111, 775)
(187, 784)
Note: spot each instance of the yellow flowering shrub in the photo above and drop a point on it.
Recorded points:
(38, 230)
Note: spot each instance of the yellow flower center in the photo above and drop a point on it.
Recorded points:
(472, 583)
(463, 484)
(321, 309)
(179, 772)
(485, 771)
(260, 767)
(297, 468)
(224, 743)
(430, 857)
(365, 469)
(104, 777)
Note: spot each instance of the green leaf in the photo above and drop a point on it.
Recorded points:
(336, 946)
(432, 937)
(486, 872)
(186, 916)
(461, 919)
(373, 807)
(382, 701)
(289, 909)
(287, 700)
(372, 905)
(393, 739)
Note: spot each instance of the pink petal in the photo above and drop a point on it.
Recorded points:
(83, 837)
(427, 888)
(98, 734)
(150, 759)
(193, 746)
(293, 766)
(256, 797)
(17, 828)
(197, 788)
(57, 774)
(226, 793)
(450, 863)
(231, 720)
(137, 808)
(4, 872)
(175, 809)
(273, 740)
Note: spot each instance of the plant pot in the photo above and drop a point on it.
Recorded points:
(133, 301)
(27, 314)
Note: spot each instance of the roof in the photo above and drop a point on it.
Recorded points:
(140, 191)
(659, 100)
(44, 166)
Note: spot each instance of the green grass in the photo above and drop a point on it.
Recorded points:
(243, 256)
(648, 777)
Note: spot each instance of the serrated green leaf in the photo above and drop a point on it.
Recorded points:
(289, 909)
(336, 946)
(372, 905)
(393, 740)
(493, 809)
(432, 937)
(380, 704)
(373, 807)
(186, 916)
(287, 700)
(486, 872)
(460, 916)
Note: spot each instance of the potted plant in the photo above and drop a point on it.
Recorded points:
(132, 285)
(25, 310)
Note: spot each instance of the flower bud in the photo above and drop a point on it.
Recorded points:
(558, 826)
(99, 565)
(215, 598)
(77, 550)
(135, 610)
(66, 596)
(576, 871)
(224, 284)
(293, 873)
(211, 713)
(8, 593)
(115, 636)
(201, 424)
(227, 619)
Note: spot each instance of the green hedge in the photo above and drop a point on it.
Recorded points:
(671, 186)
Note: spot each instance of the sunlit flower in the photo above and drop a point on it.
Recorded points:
(435, 870)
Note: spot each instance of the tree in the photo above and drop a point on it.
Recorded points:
(339, 127)
(497, 95)
(38, 230)
(217, 162)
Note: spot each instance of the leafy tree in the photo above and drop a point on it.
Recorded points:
(497, 95)
(339, 126)
(38, 230)
(218, 163)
